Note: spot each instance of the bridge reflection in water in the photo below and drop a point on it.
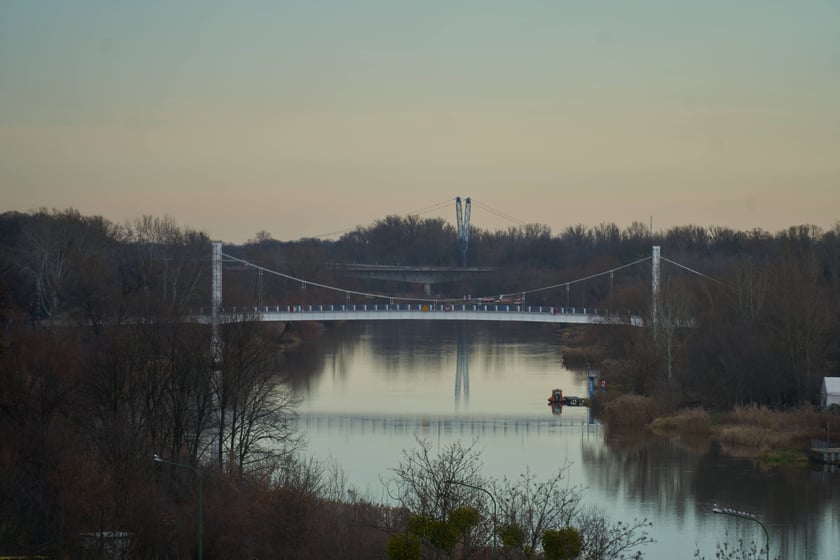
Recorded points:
(462, 369)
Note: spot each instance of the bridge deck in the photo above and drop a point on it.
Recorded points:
(421, 312)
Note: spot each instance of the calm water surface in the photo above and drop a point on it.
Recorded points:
(370, 389)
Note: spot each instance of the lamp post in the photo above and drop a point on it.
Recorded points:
(493, 499)
(200, 525)
(750, 517)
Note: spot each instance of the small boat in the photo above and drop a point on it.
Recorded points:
(557, 398)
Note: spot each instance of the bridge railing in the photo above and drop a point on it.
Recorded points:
(419, 308)
(418, 311)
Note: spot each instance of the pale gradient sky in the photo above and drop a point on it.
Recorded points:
(303, 118)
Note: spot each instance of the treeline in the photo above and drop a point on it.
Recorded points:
(759, 326)
(117, 418)
(742, 316)
(763, 307)
(98, 373)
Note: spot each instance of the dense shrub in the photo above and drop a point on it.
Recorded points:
(562, 544)
(762, 428)
(688, 421)
(759, 437)
(631, 410)
(404, 546)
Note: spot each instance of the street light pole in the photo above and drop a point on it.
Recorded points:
(493, 499)
(750, 517)
(200, 524)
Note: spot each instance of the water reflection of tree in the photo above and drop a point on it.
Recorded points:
(796, 505)
(793, 503)
(309, 360)
(410, 346)
(645, 469)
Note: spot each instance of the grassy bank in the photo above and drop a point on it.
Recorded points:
(769, 436)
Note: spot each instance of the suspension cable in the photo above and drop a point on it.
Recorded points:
(498, 213)
(325, 286)
(691, 270)
(583, 279)
(431, 300)
(427, 209)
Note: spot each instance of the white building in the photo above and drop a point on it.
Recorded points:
(830, 393)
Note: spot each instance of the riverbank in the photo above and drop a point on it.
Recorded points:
(757, 432)
(768, 436)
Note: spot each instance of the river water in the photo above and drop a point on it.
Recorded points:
(370, 389)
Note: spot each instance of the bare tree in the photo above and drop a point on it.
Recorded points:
(607, 540)
(60, 254)
(528, 508)
(253, 401)
(675, 306)
(429, 484)
(800, 320)
(740, 551)
(165, 266)
(446, 496)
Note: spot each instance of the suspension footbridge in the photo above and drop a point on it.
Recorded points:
(505, 307)
(420, 312)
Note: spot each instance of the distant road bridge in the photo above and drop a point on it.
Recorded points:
(427, 275)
